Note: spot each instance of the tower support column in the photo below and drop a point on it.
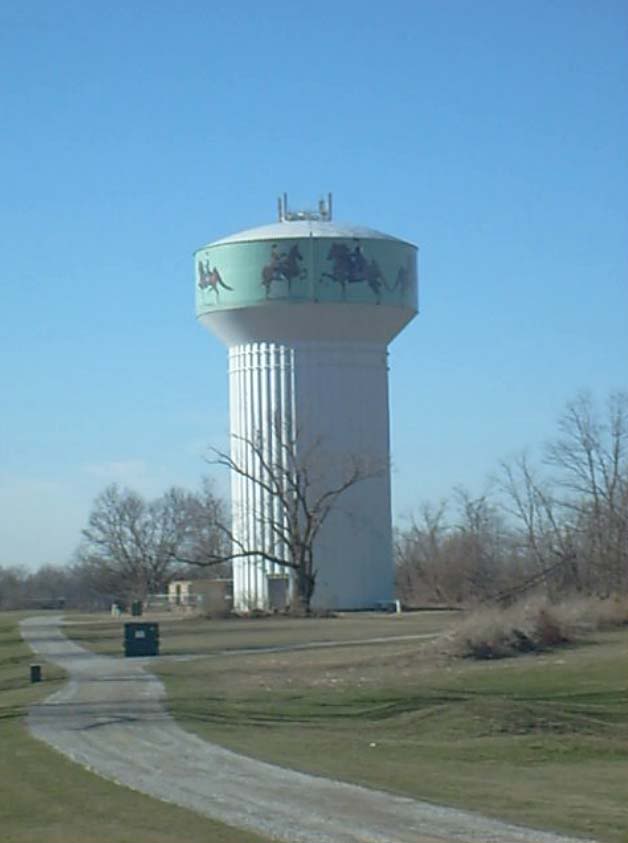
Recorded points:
(327, 402)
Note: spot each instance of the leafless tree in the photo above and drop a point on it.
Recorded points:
(203, 540)
(545, 542)
(298, 488)
(565, 527)
(465, 561)
(589, 459)
(48, 587)
(12, 587)
(131, 546)
(419, 556)
(479, 552)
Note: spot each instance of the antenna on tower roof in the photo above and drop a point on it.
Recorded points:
(324, 211)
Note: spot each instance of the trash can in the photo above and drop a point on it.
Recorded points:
(136, 608)
(35, 673)
(141, 639)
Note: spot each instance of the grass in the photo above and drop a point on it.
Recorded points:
(46, 797)
(192, 635)
(541, 739)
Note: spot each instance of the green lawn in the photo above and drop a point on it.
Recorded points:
(539, 740)
(185, 634)
(47, 799)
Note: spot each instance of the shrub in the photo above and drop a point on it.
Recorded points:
(532, 626)
(611, 612)
(550, 630)
(529, 627)
(587, 614)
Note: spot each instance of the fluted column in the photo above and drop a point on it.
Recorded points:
(334, 394)
(261, 380)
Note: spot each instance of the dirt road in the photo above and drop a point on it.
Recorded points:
(110, 717)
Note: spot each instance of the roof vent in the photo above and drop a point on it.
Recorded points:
(323, 212)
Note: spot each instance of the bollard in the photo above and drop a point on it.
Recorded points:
(35, 673)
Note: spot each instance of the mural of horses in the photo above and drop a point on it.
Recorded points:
(283, 266)
(351, 267)
(210, 278)
(405, 277)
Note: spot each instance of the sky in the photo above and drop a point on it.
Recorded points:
(492, 133)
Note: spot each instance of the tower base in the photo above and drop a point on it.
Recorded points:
(323, 405)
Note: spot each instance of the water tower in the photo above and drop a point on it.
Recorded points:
(307, 308)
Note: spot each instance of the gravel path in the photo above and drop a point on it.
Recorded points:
(110, 718)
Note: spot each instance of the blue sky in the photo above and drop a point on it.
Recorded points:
(492, 134)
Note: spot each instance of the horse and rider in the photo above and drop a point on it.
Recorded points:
(350, 266)
(406, 276)
(283, 266)
(210, 278)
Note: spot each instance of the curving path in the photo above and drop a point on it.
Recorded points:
(110, 718)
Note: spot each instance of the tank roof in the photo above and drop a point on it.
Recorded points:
(287, 229)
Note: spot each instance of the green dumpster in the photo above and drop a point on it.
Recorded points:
(141, 639)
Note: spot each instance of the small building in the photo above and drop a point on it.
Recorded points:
(207, 595)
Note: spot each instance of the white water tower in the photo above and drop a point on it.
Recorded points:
(307, 308)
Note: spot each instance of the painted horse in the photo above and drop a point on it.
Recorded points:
(210, 278)
(351, 267)
(406, 276)
(283, 266)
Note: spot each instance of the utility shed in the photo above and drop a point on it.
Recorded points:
(205, 594)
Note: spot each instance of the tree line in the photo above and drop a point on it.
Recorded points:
(131, 547)
(558, 525)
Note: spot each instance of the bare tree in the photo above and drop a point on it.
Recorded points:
(466, 561)
(12, 587)
(131, 547)
(590, 463)
(203, 541)
(480, 549)
(419, 555)
(544, 540)
(48, 587)
(566, 529)
(296, 493)
(573, 525)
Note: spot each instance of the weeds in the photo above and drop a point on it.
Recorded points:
(532, 626)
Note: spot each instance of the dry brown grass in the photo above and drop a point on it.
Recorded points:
(533, 625)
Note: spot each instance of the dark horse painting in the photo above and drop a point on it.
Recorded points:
(406, 278)
(351, 267)
(210, 278)
(283, 266)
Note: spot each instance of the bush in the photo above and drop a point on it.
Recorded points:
(612, 612)
(532, 626)
(587, 614)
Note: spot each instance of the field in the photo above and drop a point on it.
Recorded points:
(541, 740)
(47, 799)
